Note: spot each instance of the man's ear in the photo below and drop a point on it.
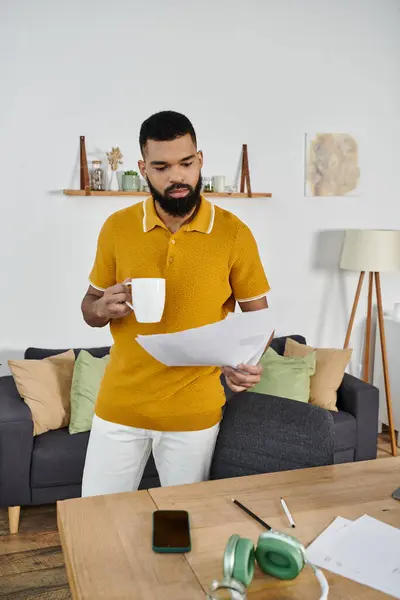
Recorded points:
(200, 155)
(142, 168)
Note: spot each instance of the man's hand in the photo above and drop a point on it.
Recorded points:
(98, 307)
(112, 303)
(243, 378)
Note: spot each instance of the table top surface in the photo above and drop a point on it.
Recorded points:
(107, 539)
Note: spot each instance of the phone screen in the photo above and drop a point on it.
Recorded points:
(171, 529)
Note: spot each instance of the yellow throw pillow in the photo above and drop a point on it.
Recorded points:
(45, 386)
(330, 368)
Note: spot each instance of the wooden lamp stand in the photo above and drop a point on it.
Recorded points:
(372, 251)
(367, 354)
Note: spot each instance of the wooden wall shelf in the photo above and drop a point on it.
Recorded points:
(213, 194)
(85, 181)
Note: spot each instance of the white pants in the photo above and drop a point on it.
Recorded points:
(117, 455)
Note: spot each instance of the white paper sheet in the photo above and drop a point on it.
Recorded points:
(365, 550)
(240, 338)
(326, 540)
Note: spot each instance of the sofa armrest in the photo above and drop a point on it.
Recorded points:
(361, 400)
(265, 434)
(16, 444)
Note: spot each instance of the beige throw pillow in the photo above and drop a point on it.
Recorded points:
(45, 386)
(330, 368)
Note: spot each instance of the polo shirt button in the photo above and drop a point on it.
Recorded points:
(170, 259)
(173, 241)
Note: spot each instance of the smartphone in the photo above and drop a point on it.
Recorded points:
(171, 531)
(396, 494)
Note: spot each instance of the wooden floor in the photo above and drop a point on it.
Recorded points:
(31, 562)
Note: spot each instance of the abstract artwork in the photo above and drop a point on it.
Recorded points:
(331, 165)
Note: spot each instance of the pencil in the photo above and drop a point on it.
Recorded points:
(287, 512)
(246, 510)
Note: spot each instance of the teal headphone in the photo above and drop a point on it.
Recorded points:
(277, 554)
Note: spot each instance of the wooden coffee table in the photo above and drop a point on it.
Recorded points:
(107, 539)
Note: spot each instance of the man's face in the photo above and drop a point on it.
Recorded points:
(173, 172)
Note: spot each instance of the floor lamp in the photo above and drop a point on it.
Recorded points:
(373, 252)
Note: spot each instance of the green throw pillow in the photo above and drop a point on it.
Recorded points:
(286, 377)
(88, 373)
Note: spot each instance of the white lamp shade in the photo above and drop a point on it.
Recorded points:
(371, 250)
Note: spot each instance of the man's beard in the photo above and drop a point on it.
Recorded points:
(178, 207)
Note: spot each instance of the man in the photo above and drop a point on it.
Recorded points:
(210, 260)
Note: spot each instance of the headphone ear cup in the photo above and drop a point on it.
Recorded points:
(278, 557)
(243, 569)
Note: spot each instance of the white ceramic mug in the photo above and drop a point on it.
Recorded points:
(148, 299)
(218, 183)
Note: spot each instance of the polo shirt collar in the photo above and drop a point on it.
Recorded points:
(203, 221)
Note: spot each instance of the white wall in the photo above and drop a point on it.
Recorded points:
(262, 72)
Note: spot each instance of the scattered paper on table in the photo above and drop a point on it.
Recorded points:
(239, 338)
(365, 550)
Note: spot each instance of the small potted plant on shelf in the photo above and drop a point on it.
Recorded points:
(130, 181)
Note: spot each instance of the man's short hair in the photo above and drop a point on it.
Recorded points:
(165, 126)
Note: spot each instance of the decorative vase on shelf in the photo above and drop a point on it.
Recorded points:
(113, 182)
(97, 176)
(143, 187)
(130, 181)
(115, 157)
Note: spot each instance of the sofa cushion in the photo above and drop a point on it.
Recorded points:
(345, 430)
(329, 373)
(45, 386)
(58, 458)
(279, 343)
(86, 380)
(286, 377)
(39, 353)
(150, 477)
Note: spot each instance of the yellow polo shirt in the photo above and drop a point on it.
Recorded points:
(208, 264)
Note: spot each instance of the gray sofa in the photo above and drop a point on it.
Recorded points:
(48, 467)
